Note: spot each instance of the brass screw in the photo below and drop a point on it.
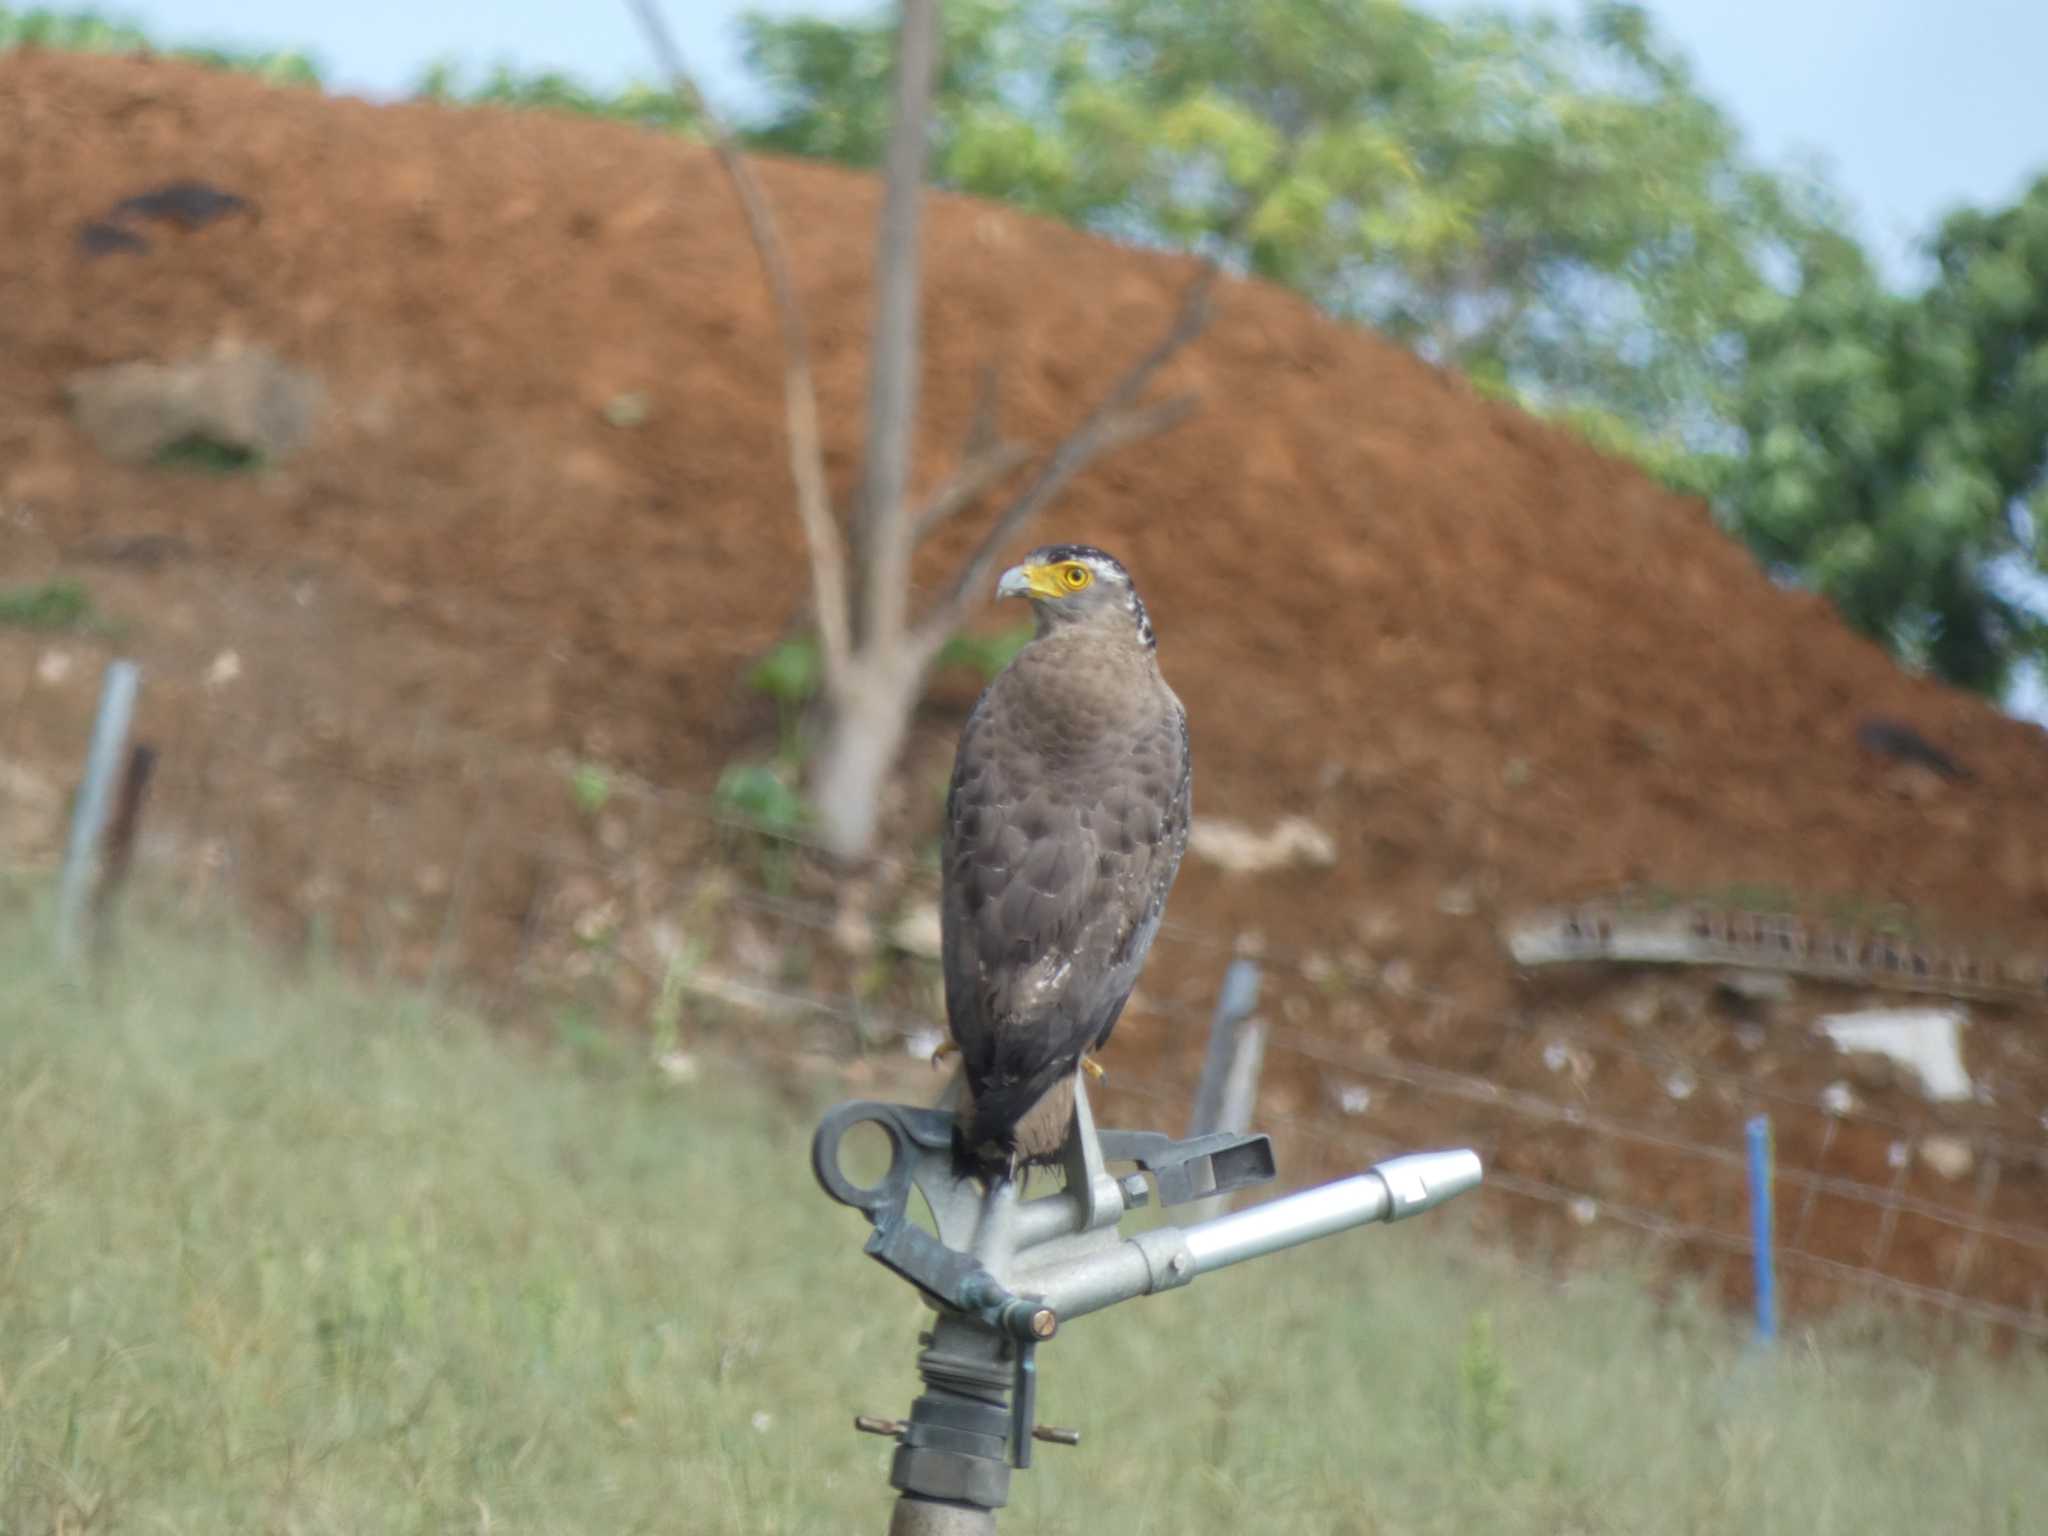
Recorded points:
(1044, 1323)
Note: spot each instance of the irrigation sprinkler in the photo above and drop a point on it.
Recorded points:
(1004, 1274)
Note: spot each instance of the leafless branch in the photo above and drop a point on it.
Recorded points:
(967, 484)
(1108, 426)
(800, 395)
(988, 463)
(1147, 421)
(984, 459)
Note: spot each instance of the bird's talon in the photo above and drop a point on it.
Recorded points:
(948, 1048)
(1094, 1069)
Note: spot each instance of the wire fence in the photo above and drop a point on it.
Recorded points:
(535, 887)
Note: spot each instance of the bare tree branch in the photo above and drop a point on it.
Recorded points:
(1112, 423)
(1148, 421)
(1107, 426)
(988, 463)
(966, 485)
(984, 459)
(800, 395)
(882, 533)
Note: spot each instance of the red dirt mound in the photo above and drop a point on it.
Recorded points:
(1494, 665)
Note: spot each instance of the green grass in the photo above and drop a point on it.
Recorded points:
(302, 1258)
(205, 455)
(49, 605)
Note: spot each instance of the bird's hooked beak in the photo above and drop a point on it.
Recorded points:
(1021, 581)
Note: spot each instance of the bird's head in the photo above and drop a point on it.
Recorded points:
(1077, 584)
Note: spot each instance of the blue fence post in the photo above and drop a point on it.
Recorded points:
(89, 811)
(1760, 1225)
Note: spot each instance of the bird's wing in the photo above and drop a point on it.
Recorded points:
(1155, 813)
(1055, 881)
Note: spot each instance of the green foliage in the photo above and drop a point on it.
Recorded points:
(791, 674)
(551, 90)
(93, 32)
(762, 794)
(317, 1258)
(50, 605)
(1554, 207)
(68, 31)
(1661, 454)
(1898, 455)
(590, 786)
(1486, 1397)
(987, 654)
(771, 811)
(207, 455)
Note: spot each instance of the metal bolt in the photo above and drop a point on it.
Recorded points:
(1044, 1323)
(1178, 1263)
(1136, 1192)
(1054, 1436)
(867, 1424)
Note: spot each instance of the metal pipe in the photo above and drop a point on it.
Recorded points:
(1168, 1257)
(1048, 1216)
(1401, 1186)
(932, 1517)
(1277, 1224)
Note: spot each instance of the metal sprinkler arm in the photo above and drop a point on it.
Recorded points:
(1003, 1273)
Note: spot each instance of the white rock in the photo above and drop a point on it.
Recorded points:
(1561, 1057)
(233, 394)
(1949, 1156)
(1457, 901)
(1234, 846)
(1836, 1099)
(916, 932)
(1925, 1041)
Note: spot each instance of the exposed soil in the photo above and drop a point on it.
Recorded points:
(1496, 666)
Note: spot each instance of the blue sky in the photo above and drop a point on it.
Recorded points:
(1916, 105)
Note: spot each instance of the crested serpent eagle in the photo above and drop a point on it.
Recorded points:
(1065, 822)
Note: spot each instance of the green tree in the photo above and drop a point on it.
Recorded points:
(1898, 446)
(549, 90)
(91, 32)
(1552, 208)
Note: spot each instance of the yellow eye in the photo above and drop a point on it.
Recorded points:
(1075, 576)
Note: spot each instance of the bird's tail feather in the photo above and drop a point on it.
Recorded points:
(985, 1129)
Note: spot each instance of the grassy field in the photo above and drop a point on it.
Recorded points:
(302, 1258)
